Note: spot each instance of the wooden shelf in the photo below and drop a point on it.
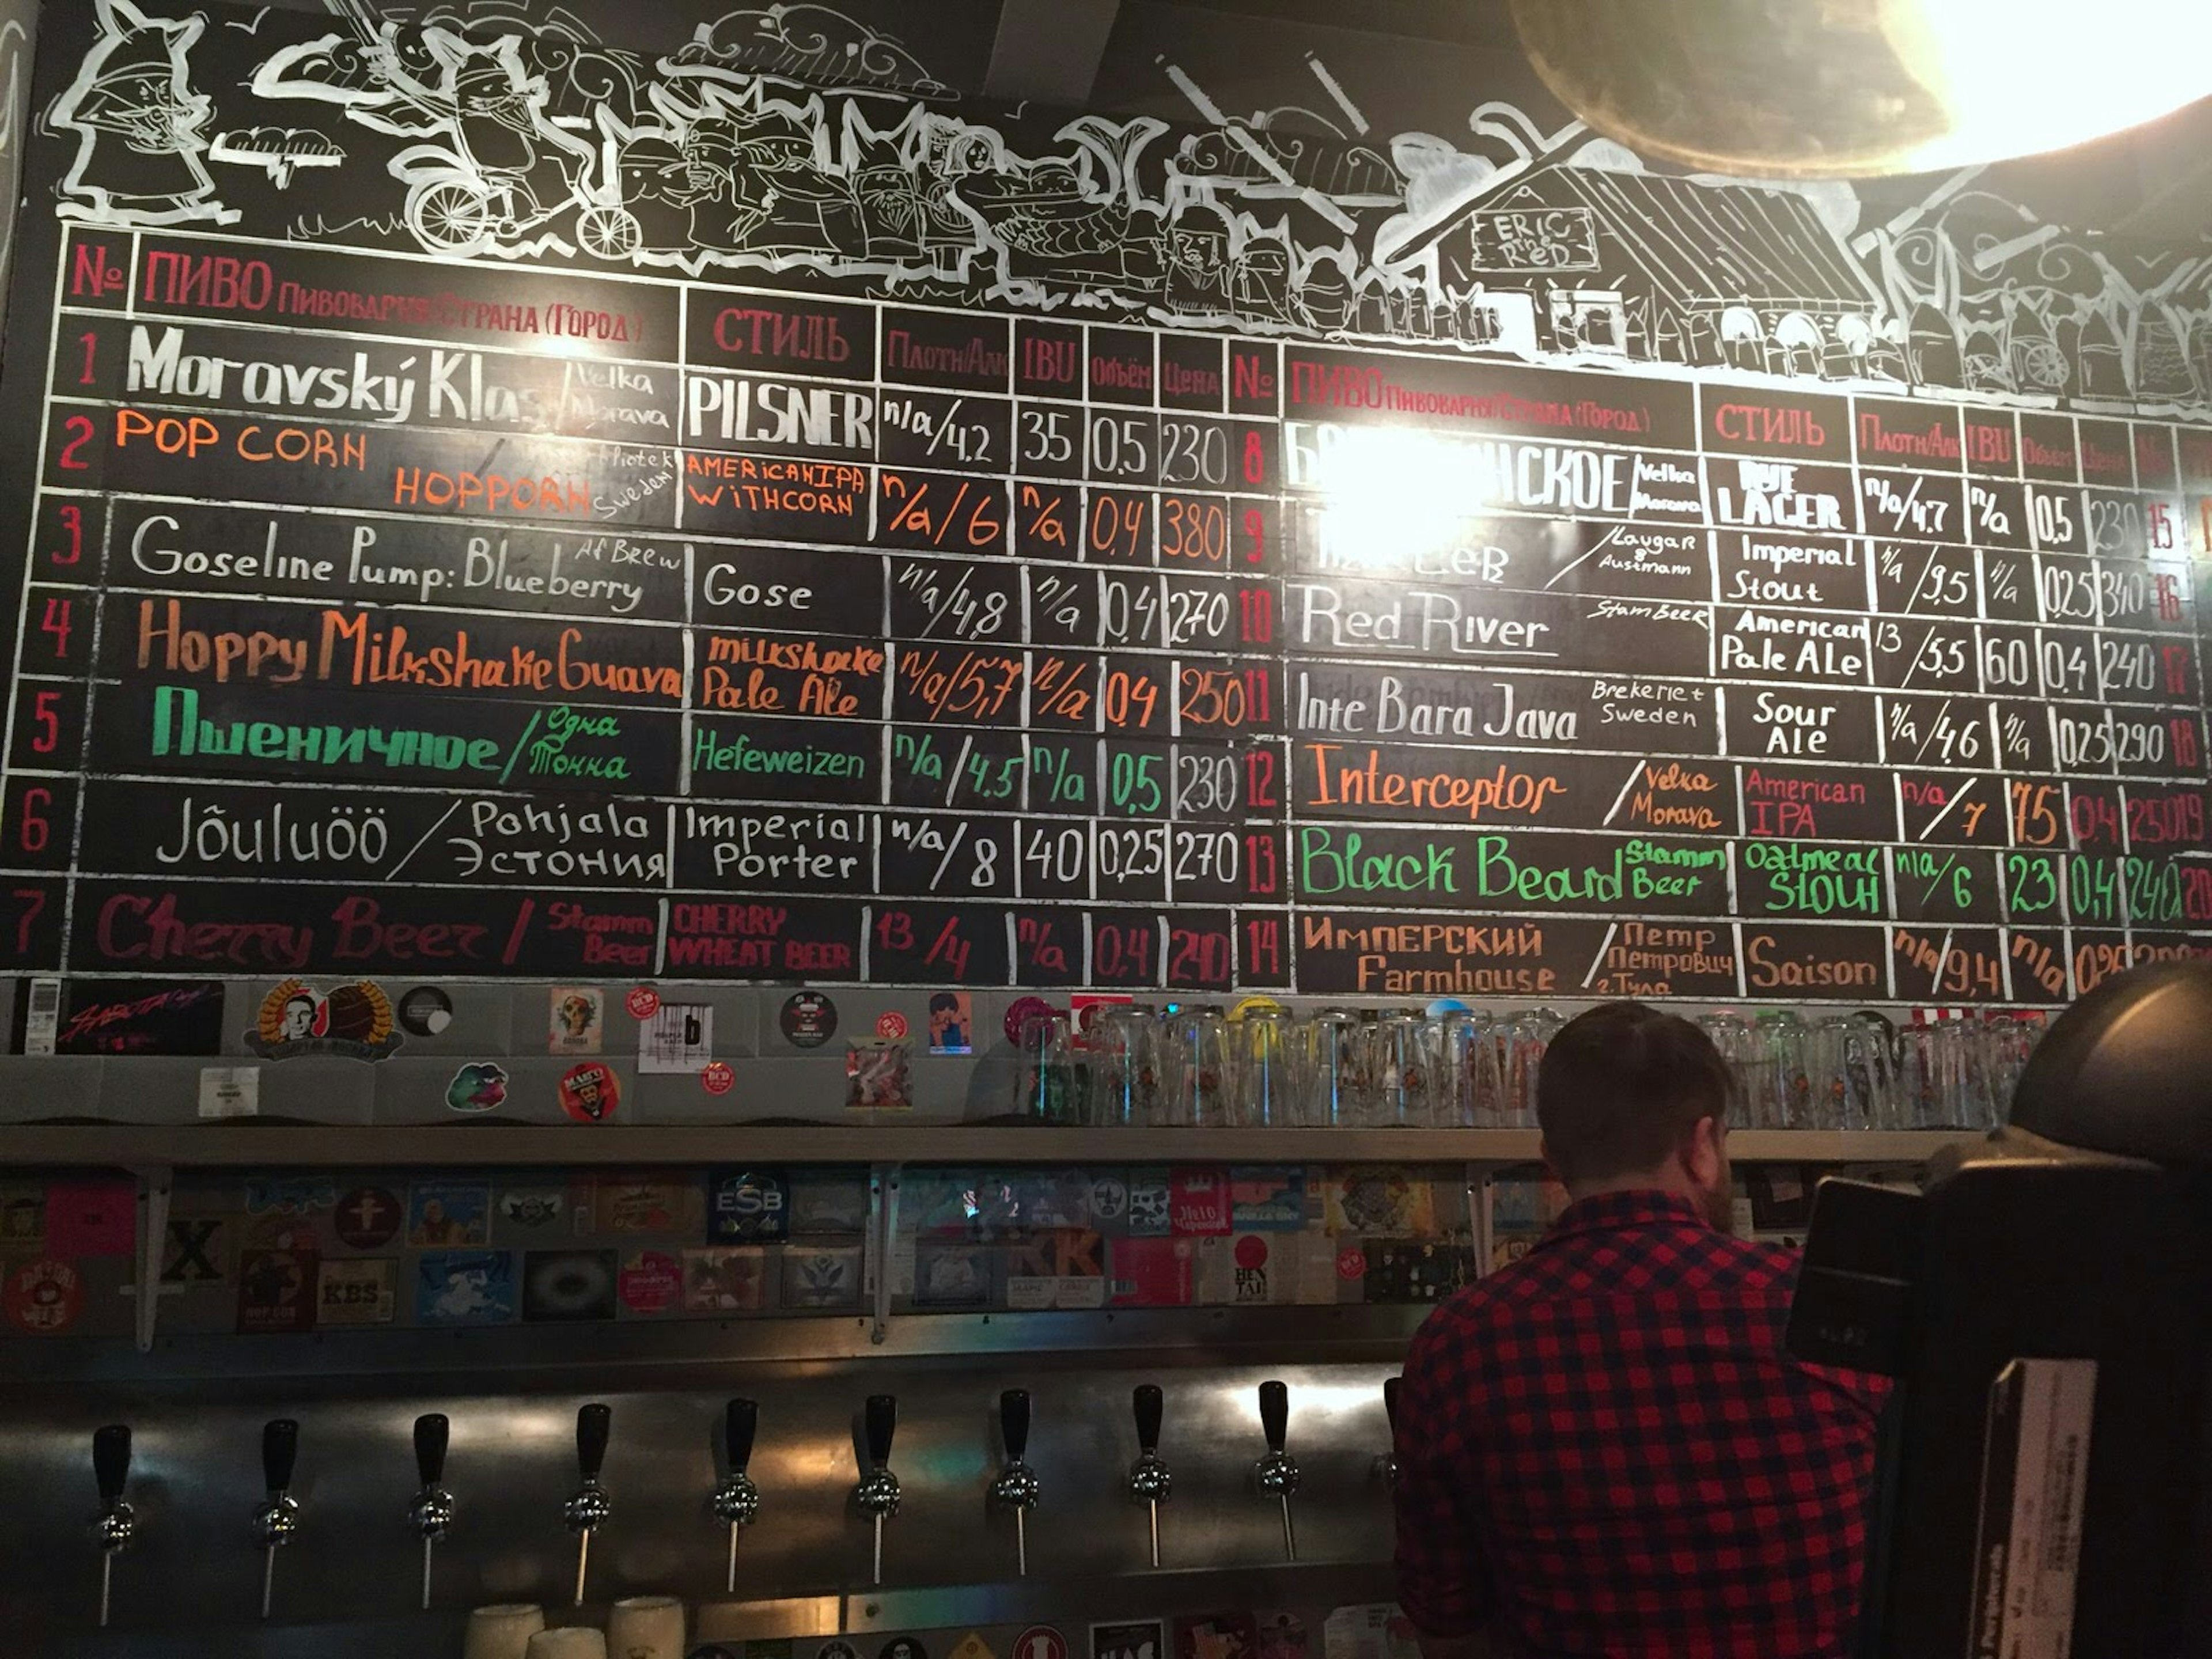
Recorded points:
(233, 1145)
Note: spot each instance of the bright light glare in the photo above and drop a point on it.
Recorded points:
(2020, 76)
(1387, 495)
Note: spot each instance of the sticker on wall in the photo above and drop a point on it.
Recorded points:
(826, 1202)
(426, 1010)
(953, 1275)
(718, 1078)
(1283, 1636)
(807, 1019)
(353, 1021)
(590, 1091)
(1405, 1271)
(479, 1086)
(1144, 1640)
(1379, 1199)
(951, 1022)
(465, 1287)
(1039, 1642)
(1151, 1273)
(444, 1213)
(140, 1016)
(559, 1284)
(282, 1231)
(43, 1298)
(276, 1291)
(289, 1195)
(1216, 1636)
(22, 1213)
(1197, 1201)
(367, 1217)
(91, 1218)
(878, 1078)
(1025, 1011)
(837, 1649)
(752, 1205)
(677, 1037)
(1351, 1263)
(726, 1280)
(355, 1292)
(971, 1646)
(822, 1278)
(196, 1251)
(576, 1018)
(1267, 1200)
(229, 1092)
(891, 1026)
(1086, 1008)
(651, 1282)
(633, 1204)
(532, 1208)
(643, 1001)
(904, 1647)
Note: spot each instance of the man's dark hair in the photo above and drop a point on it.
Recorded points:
(1620, 1088)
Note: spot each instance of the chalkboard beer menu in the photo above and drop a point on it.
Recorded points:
(388, 608)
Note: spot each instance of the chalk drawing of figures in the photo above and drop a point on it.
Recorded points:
(494, 166)
(141, 129)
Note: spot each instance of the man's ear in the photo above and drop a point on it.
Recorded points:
(1701, 1152)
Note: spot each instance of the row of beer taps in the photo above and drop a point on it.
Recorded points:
(736, 1502)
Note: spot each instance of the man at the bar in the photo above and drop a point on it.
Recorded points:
(1604, 1448)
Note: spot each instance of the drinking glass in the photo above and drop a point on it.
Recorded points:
(1125, 1074)
(1732, 1037)
(1194, 1069)
(1264, 1091)
(1403, 1069)
(1336, 1070)
(1788, 1102)
(1046, 1086)
(1469, 1083)
(1531, 1033)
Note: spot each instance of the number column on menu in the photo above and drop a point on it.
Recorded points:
(64, 557)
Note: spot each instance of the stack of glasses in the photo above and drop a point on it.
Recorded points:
(1192, 1066)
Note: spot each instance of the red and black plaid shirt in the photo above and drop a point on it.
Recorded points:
(1604, 1449)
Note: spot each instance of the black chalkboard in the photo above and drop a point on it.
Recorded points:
(492, 505)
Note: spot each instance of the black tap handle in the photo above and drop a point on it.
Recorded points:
(111, 1461)
(594, 1424)
(740, 1422)
(1148, 1402)
(881, 1422)
(279, 1449)
(1390, 1385)
(432, 1431)
(1014, 1422)
(1274, 1414)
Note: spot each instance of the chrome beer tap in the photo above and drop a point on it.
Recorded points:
(1150, 1483)
(111, 1468)
(1278, 1472)
(431, 1514)
(877, 1494)
(586, 1511)
(1018, 1486)
(277, 1522)
(737, 1500)
(1387, 1465)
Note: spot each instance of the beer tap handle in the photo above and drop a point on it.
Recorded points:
(740, 1422)
(111, 1463)
(1149, 1404)
(594, 1423)
(279, 1449)
(432, 1433)
(1390, 1385)
(880, 1423)
(1014, 1422)
(1275, 1414)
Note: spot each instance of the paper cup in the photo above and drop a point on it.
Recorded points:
(502, 1632)
(569, 1642)
(646, 1627)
